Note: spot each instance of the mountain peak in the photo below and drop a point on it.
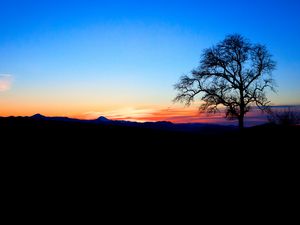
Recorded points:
(38, 116)
(102, 119)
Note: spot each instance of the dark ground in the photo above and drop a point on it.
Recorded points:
(76, 147)
(56, 158)
(30, 133)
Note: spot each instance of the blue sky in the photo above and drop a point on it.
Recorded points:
(72, 57)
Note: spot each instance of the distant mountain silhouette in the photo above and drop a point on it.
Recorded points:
(57, 118)
(102, 119)
(159, 125)
(38, 116)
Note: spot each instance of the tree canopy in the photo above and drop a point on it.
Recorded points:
(234, 73)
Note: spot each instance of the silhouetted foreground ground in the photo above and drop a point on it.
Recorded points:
(33, 133)
(118, 158)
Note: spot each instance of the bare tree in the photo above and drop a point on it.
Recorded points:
(235, 73)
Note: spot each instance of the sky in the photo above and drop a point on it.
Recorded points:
(121, 59)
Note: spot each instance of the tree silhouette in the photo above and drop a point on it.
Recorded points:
(235, 73)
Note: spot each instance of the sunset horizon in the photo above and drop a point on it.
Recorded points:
(185, 115)
(121, 59)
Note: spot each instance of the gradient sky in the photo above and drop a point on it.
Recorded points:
(121, 58)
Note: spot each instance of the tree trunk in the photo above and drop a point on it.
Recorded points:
(241, 122)
(242, 107)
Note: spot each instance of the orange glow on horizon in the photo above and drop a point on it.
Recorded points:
(174, 114)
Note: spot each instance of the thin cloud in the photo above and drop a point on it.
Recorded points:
(119, 114)
(175, 115)
(5, 82)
